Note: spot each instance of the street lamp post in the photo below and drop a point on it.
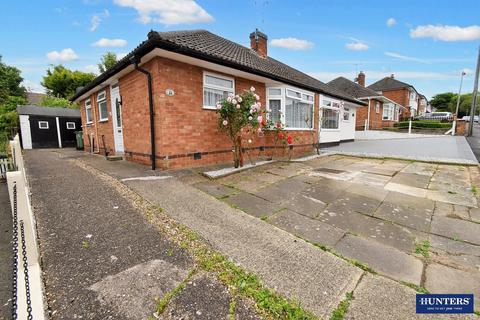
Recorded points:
(458, 104)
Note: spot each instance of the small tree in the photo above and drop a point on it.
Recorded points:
(62, 82)
(238, 113)
(51, 101)
(107, 61)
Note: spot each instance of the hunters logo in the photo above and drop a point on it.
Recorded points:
(445, 303)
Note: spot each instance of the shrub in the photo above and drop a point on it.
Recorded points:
(430, 124)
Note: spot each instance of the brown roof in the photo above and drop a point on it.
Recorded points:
(352, 88)
(35, 98)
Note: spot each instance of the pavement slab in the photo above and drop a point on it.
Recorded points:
(381, 258)
(205, 298)
(411, 179)
(253, 205)
(317, 279)
(475, 214)
(381, 231)
(453, 197)
(312, 230)
(215, 189)
(356, 203)
(372, 192)
(456, 229)
(455, 247)
(305, 205)
(381, 170)
(126, 291)
(442, 279)
(409, 190)
(377, 297)
(282, 191)
(427, 169)
(371, 179)
(408, 216)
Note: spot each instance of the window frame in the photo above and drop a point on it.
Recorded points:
(102, 100)
(346, 111)
(284, 95)
(377, 107)
(43, 122)
(71, 122)
(214, 87)
(88, 106)
(331, 107)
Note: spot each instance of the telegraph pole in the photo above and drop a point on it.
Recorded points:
(474, 96)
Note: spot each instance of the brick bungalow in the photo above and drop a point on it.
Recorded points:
(157, 105)
(379, 112)
(400, 92)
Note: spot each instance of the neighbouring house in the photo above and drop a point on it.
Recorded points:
(379, 112)
(157, 105)
(35, 98)
(48, 127)
(423, 106)
(400, 92)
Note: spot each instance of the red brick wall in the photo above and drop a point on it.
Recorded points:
(182, 126)
(97, 128)
(402, 97)
(375, 118)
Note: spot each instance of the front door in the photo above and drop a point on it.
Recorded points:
(117, 118)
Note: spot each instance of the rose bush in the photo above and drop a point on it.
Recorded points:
(239, 112)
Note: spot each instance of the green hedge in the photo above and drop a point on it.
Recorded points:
(431, 124)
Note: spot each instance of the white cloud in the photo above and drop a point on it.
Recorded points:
(292, 43)
(357, 46)
(33, 86)
(91, 68)
(104, 42)
(168, 12)
(405, 58)
(391, 22)
(121, 55)
(64, 55)
(446, 33)
(94, 22)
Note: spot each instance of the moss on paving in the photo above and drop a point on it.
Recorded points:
(341, 310)
(423, 248)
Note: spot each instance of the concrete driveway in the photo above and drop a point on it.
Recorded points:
(416, 223)
(445, 149)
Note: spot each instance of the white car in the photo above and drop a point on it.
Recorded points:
(467, 118)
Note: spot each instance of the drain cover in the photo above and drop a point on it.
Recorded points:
(329, 170)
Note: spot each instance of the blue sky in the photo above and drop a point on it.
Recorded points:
(425, 43)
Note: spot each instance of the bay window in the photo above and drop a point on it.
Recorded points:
(216, 88)
(330, 111)
(390, 112)
(292, 107)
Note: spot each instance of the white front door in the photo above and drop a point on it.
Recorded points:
(117, 118)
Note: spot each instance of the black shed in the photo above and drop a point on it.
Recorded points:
(48, 127)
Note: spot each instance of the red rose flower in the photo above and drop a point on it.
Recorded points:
(279, 125)
(289, 139)
(280, 135)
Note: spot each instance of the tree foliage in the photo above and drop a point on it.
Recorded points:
(62, 82)
(10, 82)
(51, 101)
(447, 101)
(107, 61)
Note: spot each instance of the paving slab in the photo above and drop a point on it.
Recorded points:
(427, 169)
(371, 179)
(305, 205)
(372, 192)
(327, 191)
(462, 212)
(318, 280)
(126, 291)
(282, 191)
(409, 190)
(443, 209)
(306, 228)
(411, 179)
(205, 298)
(381, 170)
(381, 231)
(456, 229)
(455, 247)
(452, 197)
(215, 189)
(442, 279)
(382, 258)
(377, 297)
(412, 217)
(475, 215)
(356, 203)
(288, 170)
(253, 205)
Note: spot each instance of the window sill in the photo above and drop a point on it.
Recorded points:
(89, 124)
(209, 108)
(102, 120)
(330, 130)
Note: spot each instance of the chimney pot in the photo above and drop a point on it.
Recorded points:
(361, 79)
(392, 76)
(258, 42)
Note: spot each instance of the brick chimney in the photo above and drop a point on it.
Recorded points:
(258, 42)
(392, 76)
(361, 79)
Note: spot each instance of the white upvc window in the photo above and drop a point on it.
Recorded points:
(346, 114)
(102, 106)
(275, 98)
(292, 107)
(43, 125)
(88, 111)
(330, 111)
(71, 125)
(215, 88)
(377, 107)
